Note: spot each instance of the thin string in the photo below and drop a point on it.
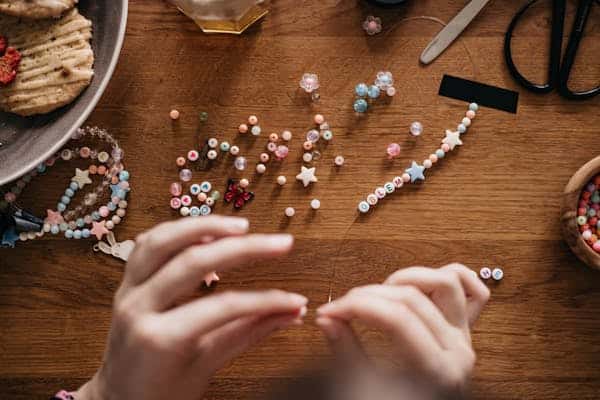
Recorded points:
(387, 32)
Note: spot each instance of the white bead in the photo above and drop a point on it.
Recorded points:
(466, 121)
(290, 212)
(213, 143)
(31, 235)
(211, 155)
(234, 150)
(121, 212)
(363, 207)
(427, 163)
(281, 180)
(485, 273)
(339, 161)
(307, 157)
(184, 211)
(372, 199)
(255, 130)
(497, 274)
(23, 236)
(315, 204)
(286, 135)
(116, 219)
(46, 227)
(398, 182)
(380, 192)
(261, 168)
(416, 128)
(110, 225)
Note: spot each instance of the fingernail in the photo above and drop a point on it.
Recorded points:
(303, 311)
(280, 240)
(299, 299)
(325, 308)
(241, 224)
(329, 328)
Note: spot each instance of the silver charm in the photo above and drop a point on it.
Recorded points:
(113, 248)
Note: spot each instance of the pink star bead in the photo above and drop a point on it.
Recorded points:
(54, 217)
(99, 229)
(372, 25)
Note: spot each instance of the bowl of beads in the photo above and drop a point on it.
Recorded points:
(580, 214)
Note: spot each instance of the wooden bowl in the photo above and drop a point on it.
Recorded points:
(568, 214)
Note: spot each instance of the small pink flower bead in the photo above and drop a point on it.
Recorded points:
(393, 150)
(445, 147)
(175, 189)
(104, 211)
(281, 152)
(319, 119)
(372, 25)
(253, 120)
(243, 128)
(405, 177)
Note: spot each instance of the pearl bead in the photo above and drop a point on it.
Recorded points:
(244, 183)
(109, 225)
(240, 163)
(290, 212)
(445, 147)
(202, 197)
(473, 107)
(243, 128)
(427, 163)
(373, 92)
(405, 177)
(307, 157)
(433, 158)
(416, 128)
(286, 135)
(116, 219)
(255, 130)
(104, 211)
(461, 128)
(319, 119)
(234, 150)
(315, 204)
(261, 168)
(211, 155)
(253, 120)
(393, 150)
(174, 114)
(264, 157)
(360, 106)
(281, 180)
(339, 161)
(184, 211)
(121, 213)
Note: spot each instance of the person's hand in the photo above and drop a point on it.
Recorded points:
(428, 314)
(163, 348)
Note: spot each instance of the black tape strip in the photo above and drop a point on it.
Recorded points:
(485, 95)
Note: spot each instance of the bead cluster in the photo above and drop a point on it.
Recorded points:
(199, 191)
(416, 172)
(322, 131)
(588, 213)
(74, 223)
(384, 82)
(496, 274)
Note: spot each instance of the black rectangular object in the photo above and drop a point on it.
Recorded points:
(480, 93)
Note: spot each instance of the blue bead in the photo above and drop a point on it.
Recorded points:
(69, 192)
(374, 92)
(121, 194)
(77, 234)
(473, 107)
(69, 234)
(63, 226)
(85, 233)
(61, 207)
(360, 105)
(54, 229)
(80, 222)
(41, 168)
(361, 89)
(440, 153)
(111, 206)
(74, 186)
(95, 215)
(591, 212)
(461, 128)
(65, 199)
(124, 175)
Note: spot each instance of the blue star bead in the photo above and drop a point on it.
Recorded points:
(9, 237)
(416, 172)
(118, 191)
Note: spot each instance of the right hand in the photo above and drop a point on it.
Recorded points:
(428, 314)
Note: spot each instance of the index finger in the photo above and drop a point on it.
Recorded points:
(477, 293)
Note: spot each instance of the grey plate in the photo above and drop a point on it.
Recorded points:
(29, 141)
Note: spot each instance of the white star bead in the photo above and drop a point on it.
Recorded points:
(307, 176)
(82, 178)
(452, 139)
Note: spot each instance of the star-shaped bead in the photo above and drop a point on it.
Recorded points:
(9, 237)
(99, 229)
(210, 278)
(307, 176)
(114, 189)
(54, 218)
(452, 139)
(416, 172)
(82, 178)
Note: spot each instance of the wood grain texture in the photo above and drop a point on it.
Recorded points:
(495, 201)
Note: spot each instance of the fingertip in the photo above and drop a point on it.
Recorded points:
(280, 241)
(329, 327)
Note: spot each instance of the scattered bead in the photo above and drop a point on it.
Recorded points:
(264, 157)
(174, 115)
(497, 274)
(308, 145)
(205, 187)
(210, 201)
(319, 119)
(202, 197)
(281, 180)
(253, 120)
(485, 273)
(185, 175)
(307, 157)
(243, 128)
(175, 189)
(309, 82)
(312, 136)
(361, 90)
(286, 135)
(225, 146)
(416, 128)
(192, 155)
(203, 116)
(273, 137)
(213, 143)
(372, 25)
(290, 212)
(175, 203)
(339, 161)
(360, 106)
(211, 155)
(186, 200)
(393, 150)
(184, 211)
(261, 168)
(327, 135)
(315, 204)
(255, 130)
(244, 183)
(234, 150)
(281, 152)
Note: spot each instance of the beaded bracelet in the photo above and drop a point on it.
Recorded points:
(416, 172)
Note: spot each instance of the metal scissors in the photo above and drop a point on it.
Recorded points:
(558, 70)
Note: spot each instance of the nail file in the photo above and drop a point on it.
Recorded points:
(482, 94)
(451, 31)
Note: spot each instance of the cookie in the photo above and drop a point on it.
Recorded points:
(36, 9)
(56, 64)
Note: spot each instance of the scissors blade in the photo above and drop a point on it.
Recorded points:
(451, 31)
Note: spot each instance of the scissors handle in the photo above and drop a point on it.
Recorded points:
(558, 17)
(583, 12)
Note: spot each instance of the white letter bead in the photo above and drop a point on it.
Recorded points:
(380, 192)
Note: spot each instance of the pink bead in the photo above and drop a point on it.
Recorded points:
(445, 147)
(175, 203)
(273, 137)
(243, 128)
(104, 211)
(253, 120)
(319, 119)
(115, 200)
(433, 158)
(84, 152)
(10, 197)
(470, 114)
(596, 246)
(281, 152)
(180, 161)
(264, 157)
(393, 150)
(391, 91)
(176, 189)
(193, 155)
(271, 146)
(405, 177)
(427, 163)
(174, 114)
(202, 197)
(186, 200)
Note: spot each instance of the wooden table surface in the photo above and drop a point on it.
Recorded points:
(493, 202)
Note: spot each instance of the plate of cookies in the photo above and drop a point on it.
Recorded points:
(56, 59)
